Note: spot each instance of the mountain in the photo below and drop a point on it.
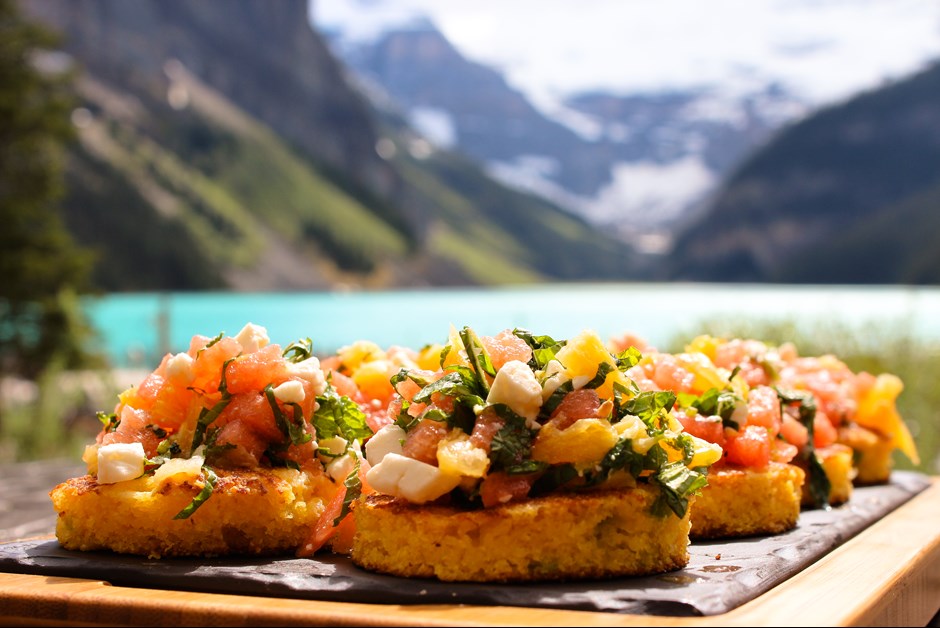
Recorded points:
(849, 195)
(221, 146)
(631, 163)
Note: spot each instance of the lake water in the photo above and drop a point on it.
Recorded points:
(137, 329)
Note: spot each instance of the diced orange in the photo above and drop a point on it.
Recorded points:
(585, 442)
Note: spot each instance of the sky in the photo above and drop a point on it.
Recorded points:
(824, 50)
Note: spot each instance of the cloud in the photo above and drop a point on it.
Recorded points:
(823, 49)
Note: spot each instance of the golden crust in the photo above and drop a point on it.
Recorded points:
(258, 512)
(562, 536)
(746, 502)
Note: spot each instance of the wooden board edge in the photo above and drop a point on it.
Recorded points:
(889, 574)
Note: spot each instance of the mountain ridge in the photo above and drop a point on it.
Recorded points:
(270, 165)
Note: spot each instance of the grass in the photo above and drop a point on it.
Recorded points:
(55, 416)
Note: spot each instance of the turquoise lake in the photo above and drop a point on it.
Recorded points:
(137, 329)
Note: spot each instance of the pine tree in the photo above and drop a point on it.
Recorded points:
(41, 267)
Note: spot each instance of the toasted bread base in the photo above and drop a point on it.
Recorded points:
(837, 462)
(873, 454)
(746, 502)
(563, 536)
(261, 512)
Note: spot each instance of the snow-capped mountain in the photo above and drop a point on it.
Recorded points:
(634, 159)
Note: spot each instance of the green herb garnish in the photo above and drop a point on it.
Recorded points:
(201, 498)
(298, 351)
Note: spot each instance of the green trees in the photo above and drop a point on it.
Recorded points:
(41, 268)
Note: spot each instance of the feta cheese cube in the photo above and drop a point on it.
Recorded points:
(310, 371)
(388, 440)
(118, 462)
(335, 445)
(411, 479)
(252, 337)
(516, 386)
(290, 392)
(341, 467)
(179, 369)
(553, 376)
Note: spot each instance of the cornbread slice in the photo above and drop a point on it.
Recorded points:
(748, 502)
(873, 453)
(560, 536)
(260, 512)
(837, 462)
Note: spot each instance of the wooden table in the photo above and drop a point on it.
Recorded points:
(889, 574)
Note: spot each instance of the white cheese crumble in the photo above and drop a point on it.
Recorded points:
(118, 462)
(290, 392)
(252, 337)
(179, 369)
(340, 468)
(553, 376)
(310, 371)
(411, 479)
(335, 445)
(516, 386)
(388, 440)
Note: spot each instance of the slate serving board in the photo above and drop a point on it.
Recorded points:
(720, 575)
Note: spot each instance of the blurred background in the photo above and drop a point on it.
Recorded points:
(381, 169)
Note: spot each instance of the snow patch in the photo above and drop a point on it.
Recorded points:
(647, 194)
(435, 124)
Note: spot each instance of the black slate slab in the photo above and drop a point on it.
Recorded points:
(720, 576)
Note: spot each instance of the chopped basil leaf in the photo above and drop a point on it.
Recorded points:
(459, 383)
(210, 343)
(512, 443)
(677, 483)
(296, 430)
(628, 358)
(817, 480)
(620, 456)
(338, 415)
(169, 448)
(110, 421)
(404, 420)
(478, 358)
(603, 369)
(353, 484)
(206, 417)
(212, 449)
(650, 406)
(554, 400)
(299, 350)
(714, 402)
(543, 347)
(158, 431)
(201, 498)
